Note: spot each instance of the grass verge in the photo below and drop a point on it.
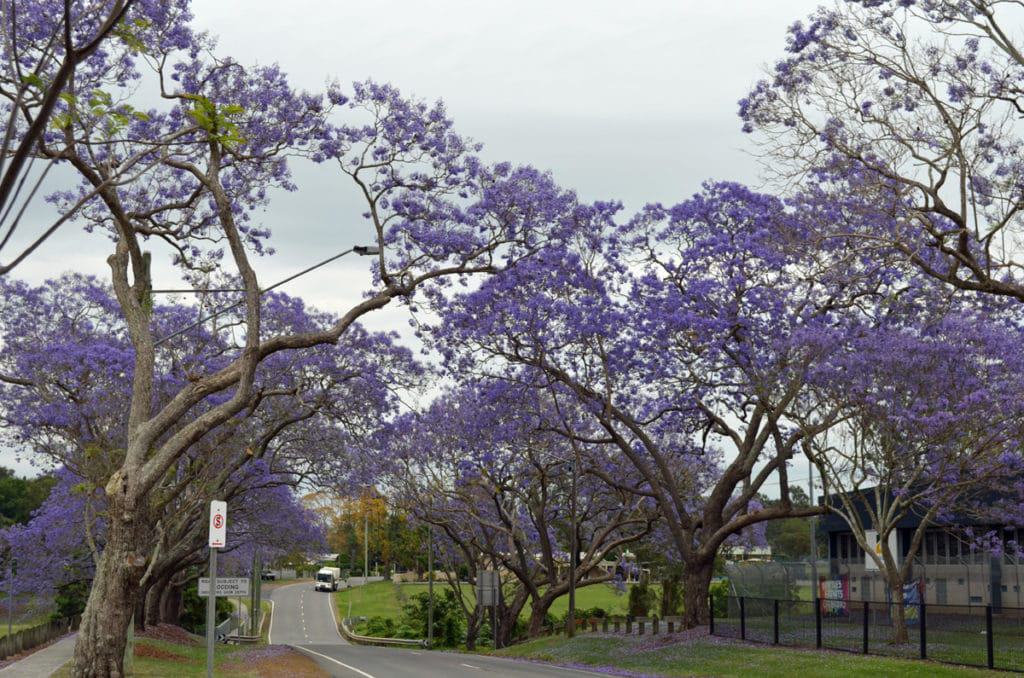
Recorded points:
(707, 656)
(182, 658)
(385, 599)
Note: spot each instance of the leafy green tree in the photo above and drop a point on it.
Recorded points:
(19, 497)
(448, 623)
(70, 599)
(193, 616)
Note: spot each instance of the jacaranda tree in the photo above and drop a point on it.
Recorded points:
(686, 335)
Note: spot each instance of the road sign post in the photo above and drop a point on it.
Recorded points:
(488, 585)
(218, 537)
(430, 585)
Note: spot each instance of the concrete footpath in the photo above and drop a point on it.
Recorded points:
(45, 662)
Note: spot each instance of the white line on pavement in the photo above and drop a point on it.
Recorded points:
(270, 628)
(470, 666)
(330, 604)
(332, 659)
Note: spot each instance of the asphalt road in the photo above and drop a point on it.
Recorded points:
(303, 618)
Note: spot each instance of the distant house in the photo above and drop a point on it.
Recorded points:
(735, 554)
(953, 569)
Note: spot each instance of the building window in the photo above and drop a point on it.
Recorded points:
(954, 548)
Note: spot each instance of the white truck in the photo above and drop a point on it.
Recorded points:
(327, 579)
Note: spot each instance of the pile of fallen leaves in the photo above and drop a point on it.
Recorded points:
(169, 633)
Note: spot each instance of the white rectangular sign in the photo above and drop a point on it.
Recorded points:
(227, 587)
(871, 537)
(218, 524)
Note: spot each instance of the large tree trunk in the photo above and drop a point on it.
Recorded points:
(99, 649)
(696, 581)
(508, 614)
(140, 609)
(472, 628)
(538, 610)
(154, 601)
(899, 613)
(172, 602)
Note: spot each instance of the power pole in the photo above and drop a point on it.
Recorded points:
(430, 585)
(366, 545)
(814, 536)
(573, 554)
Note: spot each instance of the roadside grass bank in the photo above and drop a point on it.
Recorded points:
(22, 625)
(385, 599)
(170, 652)
(710, 656)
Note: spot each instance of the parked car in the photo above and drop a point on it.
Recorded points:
(268, 575)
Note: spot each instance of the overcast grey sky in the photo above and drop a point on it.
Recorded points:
(629, 101)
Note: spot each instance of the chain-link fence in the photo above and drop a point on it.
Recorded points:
(783, 580)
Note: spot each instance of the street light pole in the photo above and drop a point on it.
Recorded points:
(814, 539)
(366, 544)
(430, 585)
(573, 554)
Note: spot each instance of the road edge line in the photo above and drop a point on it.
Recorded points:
(330, 602)
(270, 628)
(332, 659)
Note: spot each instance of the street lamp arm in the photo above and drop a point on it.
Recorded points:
(363, 250)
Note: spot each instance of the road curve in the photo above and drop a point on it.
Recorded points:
(303, 616)
(304, 619)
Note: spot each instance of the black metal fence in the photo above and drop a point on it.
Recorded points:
(973, 635)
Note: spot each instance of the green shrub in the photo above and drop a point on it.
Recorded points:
(671, 596)
(193, 616)
(406, 631)
(70, 599)
(380, 627)
(448, 622)
(719, 591)
(641, 599)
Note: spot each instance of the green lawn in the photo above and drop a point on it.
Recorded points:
(597, 595)
(19, 626)
(385, 599)
(716, 657)
(951, 638)
(379, 599)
